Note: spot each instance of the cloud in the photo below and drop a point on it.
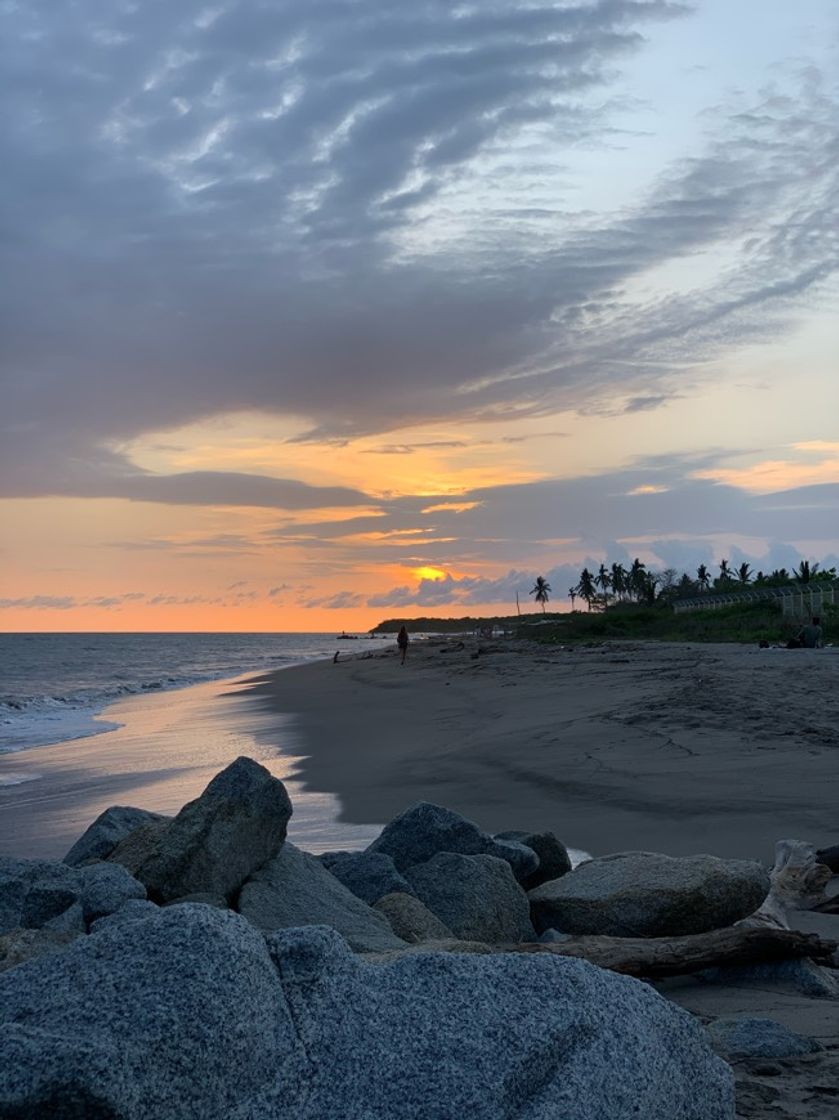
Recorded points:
(341, 600)
(278, 207)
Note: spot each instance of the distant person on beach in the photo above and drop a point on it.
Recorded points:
(811, 635)
(402, 642)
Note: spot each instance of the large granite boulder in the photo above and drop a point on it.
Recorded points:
(215, 842)
(644, 894)
(425, 829)
(490, 1038)
(477, 897)
(42, 894)
(109, 828)
(554, 861)
(369, 875)
(294, 889)
(179, 1017)
(411, 920)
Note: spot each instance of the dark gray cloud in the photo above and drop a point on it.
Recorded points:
(208, 209)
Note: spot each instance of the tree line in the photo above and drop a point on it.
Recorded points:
(614, 583)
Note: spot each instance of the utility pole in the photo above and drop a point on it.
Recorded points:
(518, 608)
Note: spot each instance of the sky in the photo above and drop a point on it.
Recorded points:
(319, 312)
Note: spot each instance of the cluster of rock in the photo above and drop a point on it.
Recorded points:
(203, 966)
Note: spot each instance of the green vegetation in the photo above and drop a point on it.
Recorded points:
(746, 622)
(467, 625)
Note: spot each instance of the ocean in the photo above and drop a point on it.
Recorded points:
(55, 687)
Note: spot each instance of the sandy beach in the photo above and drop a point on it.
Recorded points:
(665, 747)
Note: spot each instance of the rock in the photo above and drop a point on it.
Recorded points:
(425, 829)
(140, 845)
(105, 888)
(477, 897)
(829, 857)
(411, 920)
(203, 899)
(369, 875)
(554, 861)
(132, 911)
(445, 945)
(107, 831)
(549, 936)
(20, 945)
(53, 895)
(185, 1019)
(215, 842)
(491, 1037)
(644, 894)
(802, 976)
(294, 889)
(759, 1038)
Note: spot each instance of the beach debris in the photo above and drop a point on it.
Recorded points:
(295, 889)
(554, 861)
(758, 1037)
(718, 952)
(369, 875)
(411, 920)
(477, 896)
(109, 828)
(425, 829)
(215, 842)
(797, 882)
(44, 894)
(646, 894)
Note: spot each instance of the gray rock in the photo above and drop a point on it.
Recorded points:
(183, 1020)
(411, 920)
(107, 831)
(21, 945)
(105, 888)
(490, 1038)
(425, 829)
(644, 894)
(554, 861)
(132, 911)
(477, 897)
(71, 920)
(759, 1038)
(549, 936)
(294, 889)
(215, 842)
(140, 845)
(202, 898)
(802, 976)
(45, 902)
(369, 875)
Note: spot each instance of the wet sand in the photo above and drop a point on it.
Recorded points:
(665, 747)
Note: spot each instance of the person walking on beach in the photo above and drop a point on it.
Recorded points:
(402, 642)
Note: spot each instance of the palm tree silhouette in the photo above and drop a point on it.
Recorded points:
(725, 572)
(572, 595)
(703, 577)
(618, 577)
(586, 587)
(805, 571)
(638, 579)
(604, 581)
(744, 572)
(542, 591)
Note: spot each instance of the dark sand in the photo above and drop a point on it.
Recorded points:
(664, 747)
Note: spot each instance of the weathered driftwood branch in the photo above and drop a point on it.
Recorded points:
(797, 881)
(674, 956)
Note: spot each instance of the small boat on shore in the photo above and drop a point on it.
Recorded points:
(345, 637)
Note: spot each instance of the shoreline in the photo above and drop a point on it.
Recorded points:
(168, 745)
(619, 746)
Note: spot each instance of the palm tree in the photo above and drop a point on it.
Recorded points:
(603, 581)
(805, 571)
(744, 573)
(618, 577)
(542, 591)
(703, 577)
(586, 587)
(725, 572)
(637, 579)
(572, 595)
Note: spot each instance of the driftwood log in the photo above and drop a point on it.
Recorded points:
(657, 957)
